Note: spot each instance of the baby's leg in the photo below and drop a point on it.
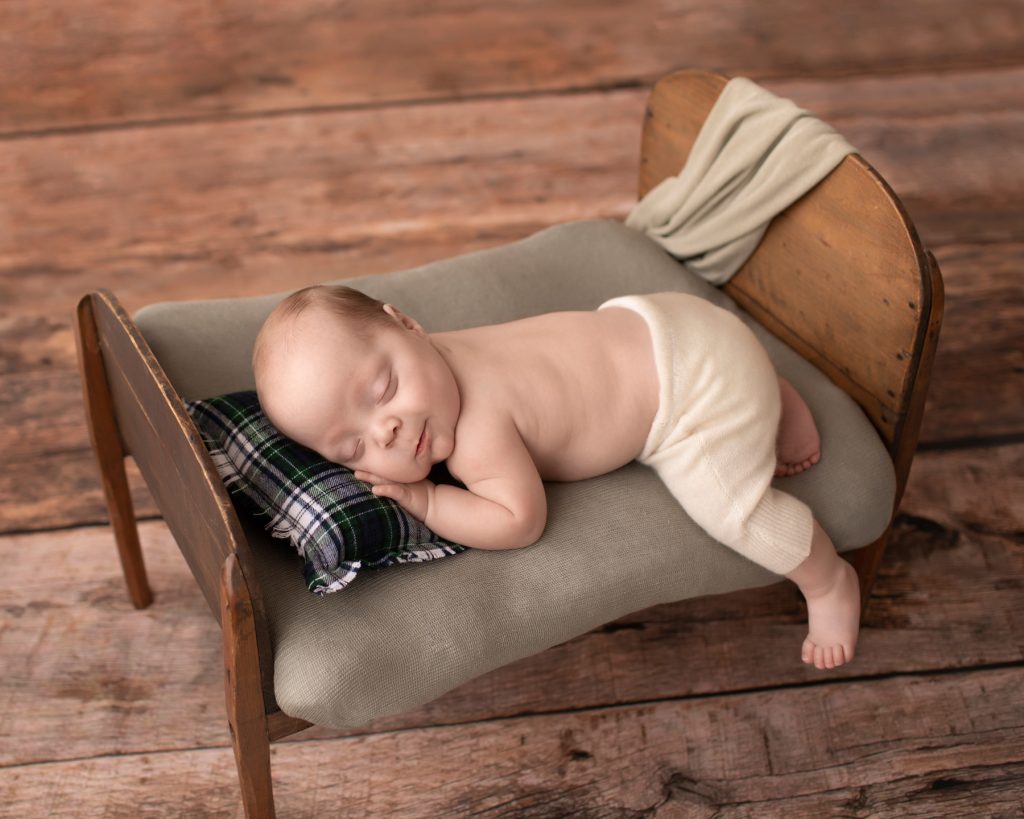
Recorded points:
(715, 450)
(829, 585)
(798, 445)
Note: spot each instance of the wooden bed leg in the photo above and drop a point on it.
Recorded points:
(110, 453)
(247, 718)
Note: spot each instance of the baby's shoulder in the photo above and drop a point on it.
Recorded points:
(488, 444)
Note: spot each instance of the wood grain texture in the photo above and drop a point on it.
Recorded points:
(108, 444)
(977, 386)
(177, 468)
(246, 709)
(212, 209)
(95, 64)
(949, 745)
(163, 444)
(224, 208)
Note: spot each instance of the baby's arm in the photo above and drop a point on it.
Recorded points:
(503, 505)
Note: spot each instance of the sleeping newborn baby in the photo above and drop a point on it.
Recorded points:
(667, 379)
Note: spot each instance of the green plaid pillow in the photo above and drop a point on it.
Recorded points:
(332, 519)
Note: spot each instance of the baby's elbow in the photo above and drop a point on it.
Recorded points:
(530, 530)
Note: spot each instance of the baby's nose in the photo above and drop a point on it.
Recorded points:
(389, 431)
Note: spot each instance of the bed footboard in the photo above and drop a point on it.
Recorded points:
(132, 409)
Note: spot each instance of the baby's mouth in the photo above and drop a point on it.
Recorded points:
(422, 440)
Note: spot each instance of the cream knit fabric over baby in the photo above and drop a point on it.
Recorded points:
(755, 155)
(712, 441)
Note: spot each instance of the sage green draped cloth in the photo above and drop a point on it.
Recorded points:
(755, 155)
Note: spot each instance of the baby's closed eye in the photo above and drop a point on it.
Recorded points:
(391, 382)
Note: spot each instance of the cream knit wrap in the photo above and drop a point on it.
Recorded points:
(712, 441)
(755, 155)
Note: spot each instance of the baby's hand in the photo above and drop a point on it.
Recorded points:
(415, 497)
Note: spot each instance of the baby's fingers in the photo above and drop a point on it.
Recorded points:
(369, 477)
(395, 491)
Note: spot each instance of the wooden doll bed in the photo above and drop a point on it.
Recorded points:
(840, 277)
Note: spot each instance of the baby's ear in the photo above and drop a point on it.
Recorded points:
(406, 321)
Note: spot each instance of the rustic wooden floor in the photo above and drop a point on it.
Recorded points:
(182, 150)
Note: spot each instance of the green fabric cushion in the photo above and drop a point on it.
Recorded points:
(336, 524)
(400, 638)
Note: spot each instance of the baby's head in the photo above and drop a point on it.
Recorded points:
(357, 381)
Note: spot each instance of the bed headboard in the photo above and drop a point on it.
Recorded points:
(840, 275)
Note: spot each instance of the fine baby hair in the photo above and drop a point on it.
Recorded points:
(359, 311)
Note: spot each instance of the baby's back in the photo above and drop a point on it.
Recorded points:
(581, 387)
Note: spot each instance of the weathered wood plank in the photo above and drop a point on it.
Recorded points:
(90, 63)
(214, 209)
(977, 386)
(949, 596)
(222, 208)
(913, 745)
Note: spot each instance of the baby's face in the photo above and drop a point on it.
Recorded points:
(365, 404)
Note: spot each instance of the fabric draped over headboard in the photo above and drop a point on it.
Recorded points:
(755, 155)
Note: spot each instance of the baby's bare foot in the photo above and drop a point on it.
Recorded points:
(798, 445)
(833, 613)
